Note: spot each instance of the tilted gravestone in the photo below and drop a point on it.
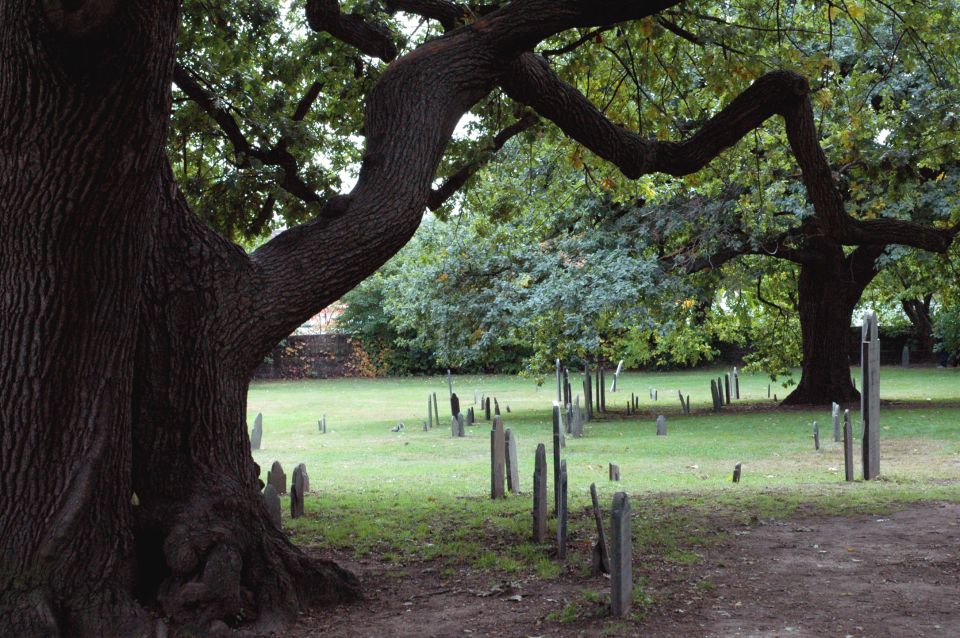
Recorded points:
(277, 478)
(540, 494)
(683, 406)
(736, 472)
(847, 447)
(614, 472)
(454, 404)
(498, 447)
(272, 500)
(870, 396)
(257, 434)
(556, 458)
(621, 557)
(496, 407)
(562, 514)
(816, 435)
(297, 490)
(600, 563)
(661, 425)
(513, 472)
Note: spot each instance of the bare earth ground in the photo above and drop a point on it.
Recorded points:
(891, 575)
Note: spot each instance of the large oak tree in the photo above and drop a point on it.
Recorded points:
(129, 328)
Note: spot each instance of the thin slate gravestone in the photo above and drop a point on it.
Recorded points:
(816, 435)
(470, 420)
(621, 557)
(461, 431)
(454, 404)
(297, 490)
(257, 435)
(486, 409)
(277, 478)
(498, 448)
(736, 473)
(577, 419)
(306, 479)
(513, 472)
(454, 426)
(272, 500)
(736, 383)
(614, 472)
(714, 394)
(847, 446)
(661, 425)
(601, 558)
(540, 494)
(688, 404)
(768, 390)
(436, 410)
(556, 458)
(870, 396)
(562, 514)
(726, 388)
(683, 406)
(720, 391)
(835, 414)
(496, 407)
(430, 412)
(559, 383)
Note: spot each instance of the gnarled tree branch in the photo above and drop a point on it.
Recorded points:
(372, 38)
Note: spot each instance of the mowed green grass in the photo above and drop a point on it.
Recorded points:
(373, 490)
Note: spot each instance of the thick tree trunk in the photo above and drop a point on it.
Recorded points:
(208, 550)
(84, 103)
(918, 311)
(829, 288)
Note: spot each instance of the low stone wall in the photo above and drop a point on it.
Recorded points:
(310, 357)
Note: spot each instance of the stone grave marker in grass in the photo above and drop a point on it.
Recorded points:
(257, 435)
(870, 396)
(847, 446)
(816, 435)
(835, 414)
(621, 557)
(297, 490)
(272, 500)
(661, 425)
(600, 563)
(513, 472)
(726, 388)
(562, 514)
(496, 407)
(277, 478)
(486, 409)
(556, 458)
(736, 473)
(736, 383)
(614, 472)
(498, 448)
(430, 411)
(436, 410)
(540, 494)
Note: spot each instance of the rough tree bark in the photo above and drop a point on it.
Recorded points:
(829, 287)
(84, 106)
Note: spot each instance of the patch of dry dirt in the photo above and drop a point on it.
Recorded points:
(861, 576)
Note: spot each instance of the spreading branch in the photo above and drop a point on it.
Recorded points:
(455, 182)
(370, 37)
(530, 80)
(277, 155)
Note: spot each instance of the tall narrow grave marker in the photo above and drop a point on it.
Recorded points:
(621, 557)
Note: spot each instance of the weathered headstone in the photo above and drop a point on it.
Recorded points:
(565, 395)
(277, 478)
(726, 388)
(297, 490)
(736, 383)
(302, 467)
(768, 390)
(461, 430)
(498, 448)
(272, 500)
(556, 458)
(600, 564)
(621, 557)
(720, 390)
(835, 415)
(577, 419)
(847, 446)
(715, 395)
(736, 473)
(905, 356)
(614, 472)
(688, 404)
(454, 404)
(486, 409)
(470, 420)
(683, 406)
(430, 412)
(513, 472)
(540, 494)
(562, 514)
(436, 410)
(816, 435)
(870, 396)
(257, 434)
(496, 407)
(775, 399)
(454, 426)
(661, 425)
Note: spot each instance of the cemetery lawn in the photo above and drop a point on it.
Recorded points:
(410, 511)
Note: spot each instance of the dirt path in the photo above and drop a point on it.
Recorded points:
(892, 575)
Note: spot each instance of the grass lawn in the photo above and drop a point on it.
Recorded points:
(424, 495)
